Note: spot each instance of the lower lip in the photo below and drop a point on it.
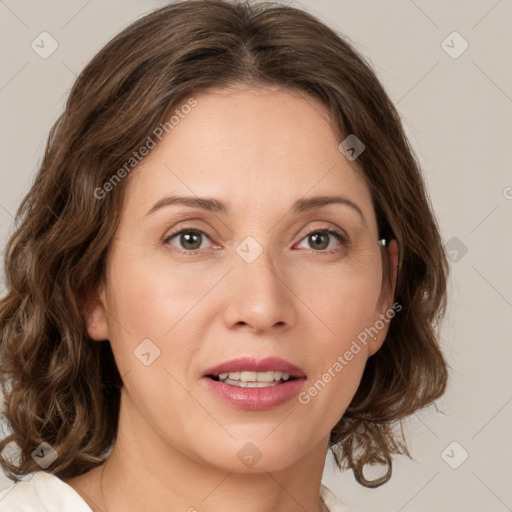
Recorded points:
(255, 399)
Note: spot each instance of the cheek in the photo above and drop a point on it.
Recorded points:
(147, 293)
(346, 307)
(342, 297)
(150, 299)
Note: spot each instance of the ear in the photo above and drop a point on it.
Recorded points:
(392, 273)
(96, 317)
(385, 304)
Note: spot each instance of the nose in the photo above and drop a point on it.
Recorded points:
(260, 297)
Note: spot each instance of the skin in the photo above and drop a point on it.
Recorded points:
(258, 150)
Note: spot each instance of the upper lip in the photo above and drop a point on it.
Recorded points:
(251, 364)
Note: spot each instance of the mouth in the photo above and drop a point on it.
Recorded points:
(255, 384)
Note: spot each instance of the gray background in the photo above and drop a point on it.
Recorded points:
(458, 115)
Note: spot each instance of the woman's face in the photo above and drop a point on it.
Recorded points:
(251, 275)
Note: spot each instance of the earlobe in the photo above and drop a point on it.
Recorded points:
(96, 317)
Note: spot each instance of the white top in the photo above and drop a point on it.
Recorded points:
(45, 492)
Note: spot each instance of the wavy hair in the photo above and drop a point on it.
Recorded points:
(60, 387)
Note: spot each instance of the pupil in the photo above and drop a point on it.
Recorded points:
(315, 239)
(186, 240)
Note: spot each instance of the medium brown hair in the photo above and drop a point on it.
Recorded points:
(62, 388)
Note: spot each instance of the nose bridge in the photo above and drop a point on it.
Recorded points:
(261, 296)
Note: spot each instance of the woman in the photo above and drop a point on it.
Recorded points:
(227, 265)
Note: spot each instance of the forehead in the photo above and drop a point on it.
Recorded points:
(252, 148)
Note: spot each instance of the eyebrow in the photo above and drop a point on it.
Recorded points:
(216, 206)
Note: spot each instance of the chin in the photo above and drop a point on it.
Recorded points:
(257, 453)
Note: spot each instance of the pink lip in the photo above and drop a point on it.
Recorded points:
(250, 364)
(256, 399)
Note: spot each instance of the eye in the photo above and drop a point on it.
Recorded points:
(190, 240)
(320, 239)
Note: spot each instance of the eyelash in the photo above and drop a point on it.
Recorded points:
(339, 236)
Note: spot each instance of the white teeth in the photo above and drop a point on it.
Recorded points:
(246, 376)
(243, 384)
(267, 376)
(253, 379)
